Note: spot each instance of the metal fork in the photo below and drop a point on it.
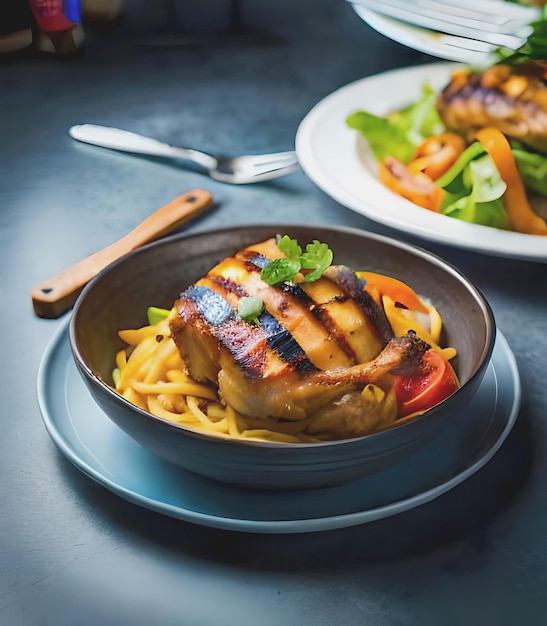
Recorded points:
(238, 170)
(441, 45)
(494, 22)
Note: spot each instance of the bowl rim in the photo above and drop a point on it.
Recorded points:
(95, 378)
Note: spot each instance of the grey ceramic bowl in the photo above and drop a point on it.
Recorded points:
(155, 275)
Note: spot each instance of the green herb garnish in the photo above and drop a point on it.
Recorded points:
(156, 315)
(317, 257)
(249, 308)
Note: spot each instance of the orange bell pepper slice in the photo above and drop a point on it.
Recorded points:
(397, 290)
(436, 155)
(418, 188)
(522, 217)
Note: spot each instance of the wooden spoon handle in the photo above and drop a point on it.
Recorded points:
(57, 295)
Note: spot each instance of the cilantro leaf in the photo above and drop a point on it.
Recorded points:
(318, 256)
(290, 248)
(279, 271)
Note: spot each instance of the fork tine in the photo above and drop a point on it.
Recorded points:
(256, 176)
(263, 162)
(274, 172)
(462, 18)
(450, 47)
(276, 158)
(488, 15)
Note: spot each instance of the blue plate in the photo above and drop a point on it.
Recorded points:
(87, 437)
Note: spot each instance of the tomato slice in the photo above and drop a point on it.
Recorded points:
(434, 381)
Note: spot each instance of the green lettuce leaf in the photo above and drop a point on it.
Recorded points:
(533, 169)
(399, 133)
(453, 181)
(478, 196)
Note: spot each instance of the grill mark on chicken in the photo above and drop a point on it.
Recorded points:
(227, 284)
(247, 346)
(291, 311)
(231, 331)
(286, 397)
(209, 304)
(280, 340)
(338, 325)
(278, 337)
(231, 291)
(299, 294)
(354, 287)
(265, 371)
(202, 314)
(318, 310)
(259, 260)
(374, 315)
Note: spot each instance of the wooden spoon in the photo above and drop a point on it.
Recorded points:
(57, 295)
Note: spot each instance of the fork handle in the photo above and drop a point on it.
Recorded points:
(127, 141)
(57, 295)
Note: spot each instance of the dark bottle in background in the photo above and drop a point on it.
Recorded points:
(58, 26)
(15, 26)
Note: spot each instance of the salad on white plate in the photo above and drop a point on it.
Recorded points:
(453, 153)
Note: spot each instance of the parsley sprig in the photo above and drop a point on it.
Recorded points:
(317, 257)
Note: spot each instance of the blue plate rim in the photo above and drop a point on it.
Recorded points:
(502, 357)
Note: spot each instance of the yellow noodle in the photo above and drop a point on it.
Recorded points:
(135, 336)
(156, 409)
(402, 321)
(178, 376)
(158, 368)
(121, 359)
(221, 426)
(435, 322)
(132, 396)
(263, 434)
(216, 411)
(185, 389)
(139, 361)
(193, 405)
(193, 418)
(231, 417)
(173, 361)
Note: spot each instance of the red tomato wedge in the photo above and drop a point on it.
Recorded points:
(433, 382)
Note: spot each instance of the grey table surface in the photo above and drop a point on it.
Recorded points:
(71, 551)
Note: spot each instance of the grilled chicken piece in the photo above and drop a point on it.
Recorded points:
(512, 98)
(315, 345)
(295, 394)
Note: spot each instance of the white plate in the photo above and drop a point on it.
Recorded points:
(340, 162)
(95, 445)
(431, 42)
